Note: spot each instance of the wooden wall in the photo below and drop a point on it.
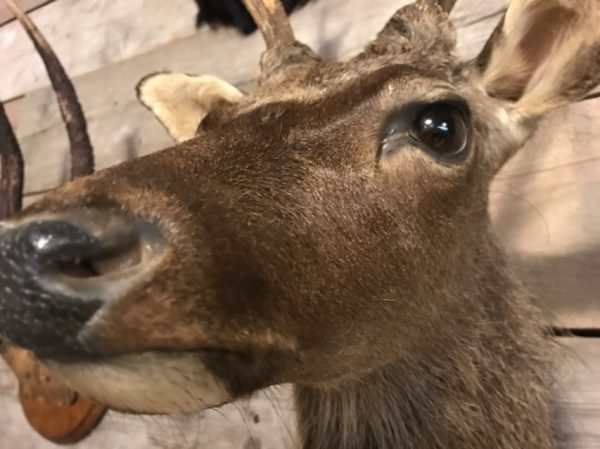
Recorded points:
(545, 203)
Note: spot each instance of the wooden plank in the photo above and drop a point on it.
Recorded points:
(25, 5)
(545, 209)
(13, 111)
(88, 35)
(578, 394)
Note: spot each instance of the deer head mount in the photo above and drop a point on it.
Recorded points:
(329, 229)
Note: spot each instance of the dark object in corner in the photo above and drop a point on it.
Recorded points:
(234, 13)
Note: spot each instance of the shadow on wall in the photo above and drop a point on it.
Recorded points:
(233, 13)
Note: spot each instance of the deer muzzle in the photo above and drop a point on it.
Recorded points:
(58, 270)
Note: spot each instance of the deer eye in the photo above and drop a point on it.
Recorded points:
(442, 128)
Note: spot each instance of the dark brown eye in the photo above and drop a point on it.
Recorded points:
(442, 128)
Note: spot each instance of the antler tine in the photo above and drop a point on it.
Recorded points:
(446, 5)
(272, 21)
(82, 156)
(11, 169)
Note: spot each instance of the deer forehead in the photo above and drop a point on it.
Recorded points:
(380, 88)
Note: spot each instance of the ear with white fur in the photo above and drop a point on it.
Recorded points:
(180, 102)
(545, 53)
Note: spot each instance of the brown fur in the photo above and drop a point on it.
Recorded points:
(293, 256)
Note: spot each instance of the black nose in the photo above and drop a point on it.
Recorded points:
(32, 314)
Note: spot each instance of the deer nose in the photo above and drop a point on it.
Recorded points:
(57, 271)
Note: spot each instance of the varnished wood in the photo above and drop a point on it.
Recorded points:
(62, 424)
(52, 409)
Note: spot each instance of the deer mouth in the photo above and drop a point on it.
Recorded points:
(153, 382)
(171, 381)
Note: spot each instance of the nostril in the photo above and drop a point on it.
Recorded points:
(47, 242)
(103, 262)
(81, 247)
(76, 268)
(96, 261)
(57, 271)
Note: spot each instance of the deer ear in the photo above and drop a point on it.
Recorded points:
(180, 102)
(544, 54)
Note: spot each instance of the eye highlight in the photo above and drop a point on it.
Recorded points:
(442, 129)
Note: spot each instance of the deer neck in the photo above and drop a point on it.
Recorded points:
(484, 385)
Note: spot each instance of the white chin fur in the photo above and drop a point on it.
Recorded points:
(151, 382)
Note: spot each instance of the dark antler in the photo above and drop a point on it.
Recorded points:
(11, 169)
(272, 21)
(82, 156)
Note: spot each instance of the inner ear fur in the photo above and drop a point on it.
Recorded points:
(181, 102)
(545, 53)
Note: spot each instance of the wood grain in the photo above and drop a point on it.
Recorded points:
(578, 393)
(24, 5)
(88, 35)
(546, 210)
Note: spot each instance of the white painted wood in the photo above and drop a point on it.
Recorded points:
(578, 393)
(88, 35)
(91, 34)
(546, 210)
(25, 5)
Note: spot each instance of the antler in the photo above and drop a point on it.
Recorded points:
(282, 47)
(424, 25)
(82, 156)
(11, 169)
(272, 21)
(446, 5)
